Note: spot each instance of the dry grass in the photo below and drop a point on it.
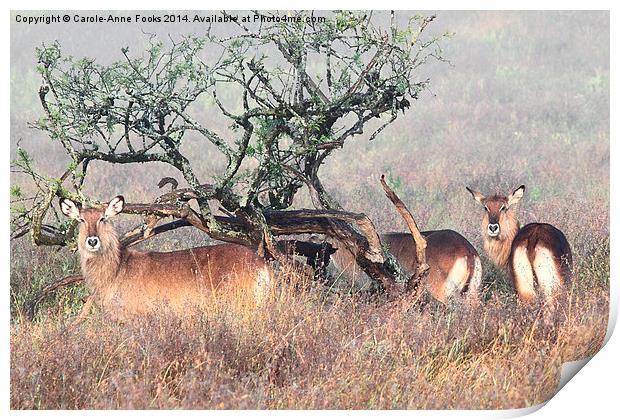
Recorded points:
(303, 348)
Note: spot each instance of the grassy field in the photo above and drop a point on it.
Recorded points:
(524, 100)
(305, 349)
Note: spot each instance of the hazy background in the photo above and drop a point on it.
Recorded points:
(524, 100)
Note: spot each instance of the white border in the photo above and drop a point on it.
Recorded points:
(592, 394)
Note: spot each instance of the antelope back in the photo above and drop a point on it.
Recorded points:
(454, 263)
(540, 262)
(136, 281)
(184, 278)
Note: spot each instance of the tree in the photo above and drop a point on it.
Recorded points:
(305, 86)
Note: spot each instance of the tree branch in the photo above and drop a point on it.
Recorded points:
(418, 238)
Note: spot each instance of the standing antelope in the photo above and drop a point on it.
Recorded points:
(454, 264)
(137, 281)
(537, 256)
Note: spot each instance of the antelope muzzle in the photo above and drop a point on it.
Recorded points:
(493, 230)
(92, 244)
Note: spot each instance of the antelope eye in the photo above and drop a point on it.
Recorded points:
(81, 220)
(486, 208)
(502, 208)
(102, 219)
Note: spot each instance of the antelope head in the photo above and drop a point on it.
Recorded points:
(96, 233)
(499, 219)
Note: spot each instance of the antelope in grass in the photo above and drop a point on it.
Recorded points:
(537, 256)
(137, 281)
(454, 265)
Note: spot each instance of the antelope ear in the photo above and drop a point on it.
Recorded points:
(516, 196)
(115, 207)
(477, 196)
(69, 209)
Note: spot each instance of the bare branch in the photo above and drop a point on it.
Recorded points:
(418, 238)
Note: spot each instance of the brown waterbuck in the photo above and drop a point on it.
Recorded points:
(454, 268)
(131, 281)
(537, 256)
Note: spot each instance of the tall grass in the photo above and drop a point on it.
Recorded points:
(303, 348)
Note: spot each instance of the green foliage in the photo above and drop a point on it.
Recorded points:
(16, 191)
(395, 182)
(535, 193)
(286, 123)
(23, 157)
(598, 83)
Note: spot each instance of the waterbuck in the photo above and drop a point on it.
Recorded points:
(131, 281)
(537, 256)
(454, 268)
